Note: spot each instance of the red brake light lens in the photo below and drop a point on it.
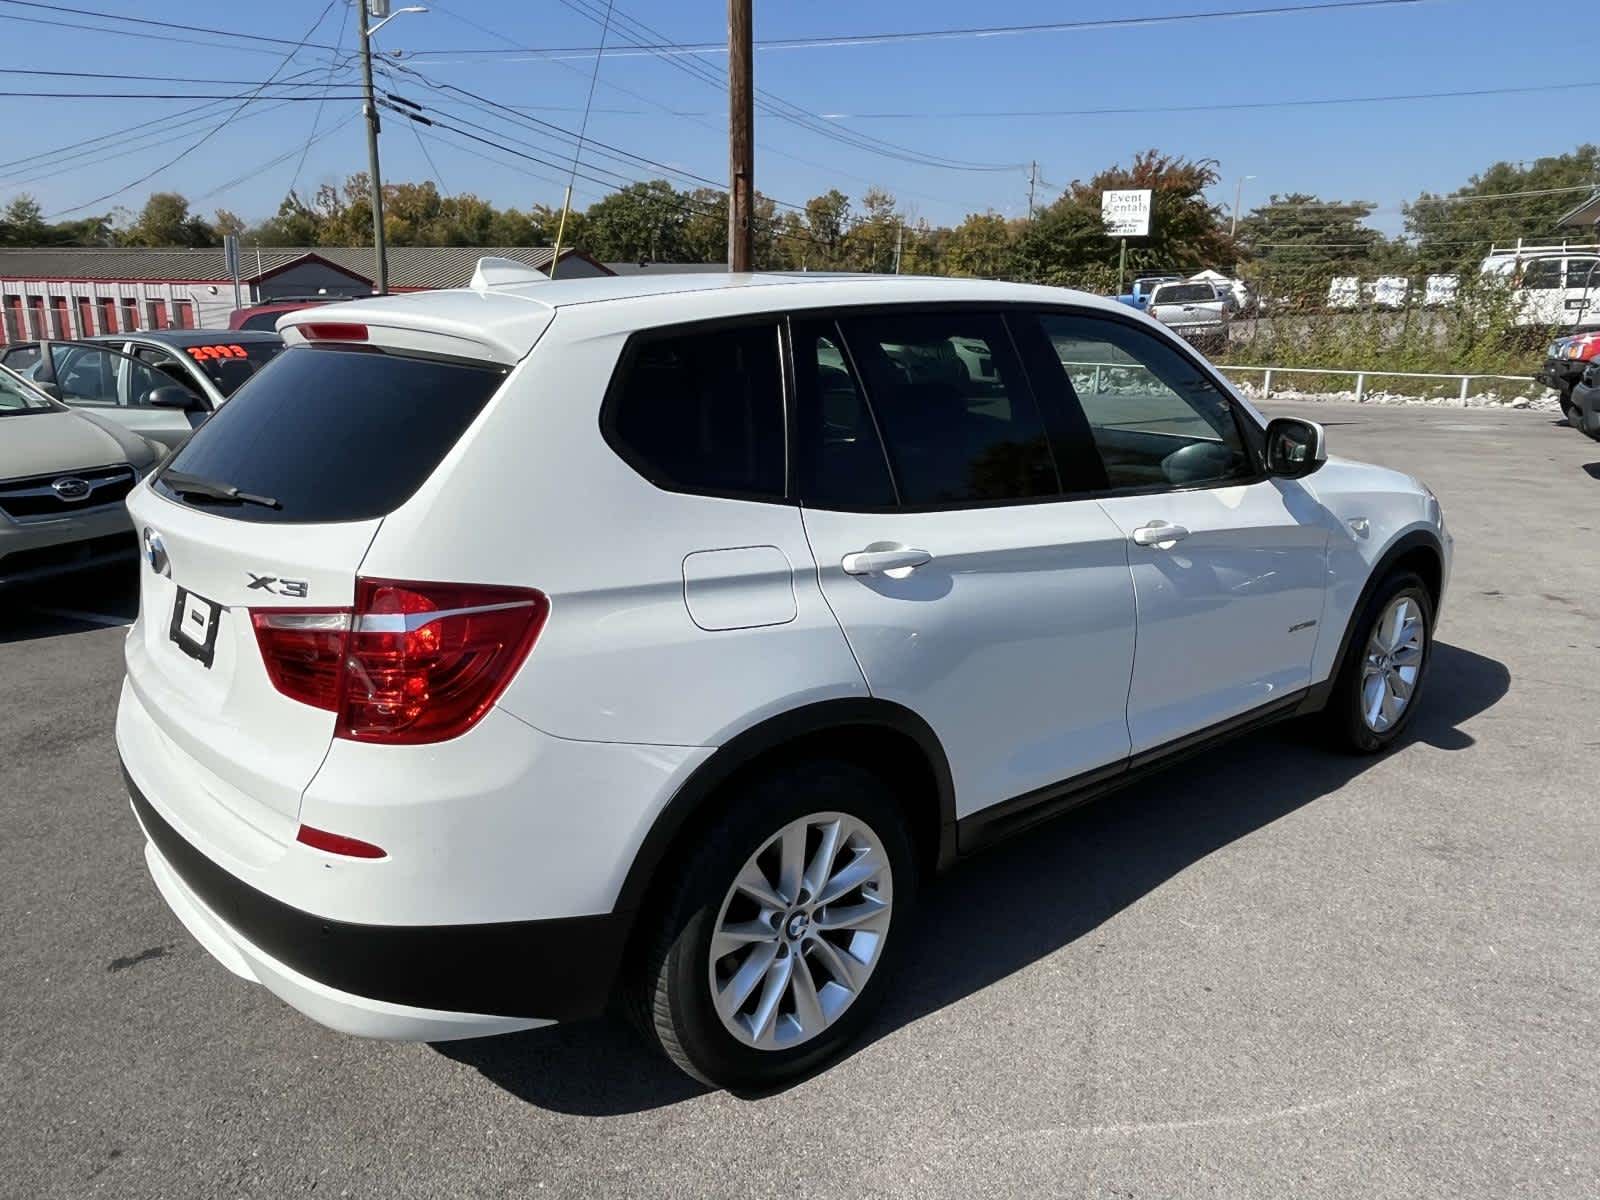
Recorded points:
(413, 663)
(333, 331)
(303, 649)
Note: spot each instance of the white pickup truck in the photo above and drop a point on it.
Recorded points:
(1194, 311)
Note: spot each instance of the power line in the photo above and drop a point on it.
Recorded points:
(928, 35)
(215, 129)
(316, 120)
(1016, 114)
(254, 94)
(333, 64)
(186, 28)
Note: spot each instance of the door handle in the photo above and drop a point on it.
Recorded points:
(880, 558)
(1159, 533)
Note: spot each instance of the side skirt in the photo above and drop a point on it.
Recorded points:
(987, 826)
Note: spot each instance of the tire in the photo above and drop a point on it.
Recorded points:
(674, 1001)
(1569, 410)
(1348, 717)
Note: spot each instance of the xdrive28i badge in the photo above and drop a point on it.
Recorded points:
(278, 587)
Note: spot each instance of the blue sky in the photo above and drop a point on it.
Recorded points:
(1383, 152)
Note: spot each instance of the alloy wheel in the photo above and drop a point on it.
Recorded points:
(1393, 663)
(801, 930)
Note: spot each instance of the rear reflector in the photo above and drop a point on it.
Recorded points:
(333, 331)
(411, 663)
(337, 843)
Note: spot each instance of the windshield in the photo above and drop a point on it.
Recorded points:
(229, 364)
(17, 397)
(1184, 293)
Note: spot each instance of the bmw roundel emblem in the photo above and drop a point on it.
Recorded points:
(70, 487)
(155, 552)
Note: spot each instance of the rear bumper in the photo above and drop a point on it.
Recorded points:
(411, 983)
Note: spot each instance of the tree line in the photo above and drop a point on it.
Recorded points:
(1291, 245)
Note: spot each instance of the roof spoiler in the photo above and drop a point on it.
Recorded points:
(492, 272)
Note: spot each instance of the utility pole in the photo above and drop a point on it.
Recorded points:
(1238, 191)
(378, 250)
(741, 144)
(1033, 178)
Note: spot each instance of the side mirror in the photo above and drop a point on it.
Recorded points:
(1295, 448)
(174, 395)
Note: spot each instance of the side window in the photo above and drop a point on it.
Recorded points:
(93, 377)
(1155, 417)
(1542, 274)
(22, 357)
(702, 412)
(951, 400)
(1583, 272)
(839, 461)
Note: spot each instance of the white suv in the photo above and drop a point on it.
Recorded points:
(508, 651)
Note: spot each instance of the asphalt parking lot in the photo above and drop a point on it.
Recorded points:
(1272, 972)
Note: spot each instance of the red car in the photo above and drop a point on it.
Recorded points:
(265, 316)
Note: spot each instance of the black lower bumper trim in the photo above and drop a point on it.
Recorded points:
(558, 970)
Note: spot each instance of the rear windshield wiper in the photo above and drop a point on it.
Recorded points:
(194, 485)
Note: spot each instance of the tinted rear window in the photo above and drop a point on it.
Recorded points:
(1187, 293)
(335, 434)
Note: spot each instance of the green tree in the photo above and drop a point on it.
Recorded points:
(642, 222)
(1298, 242)
(165, 220)
(983, 246)
(1505, 202)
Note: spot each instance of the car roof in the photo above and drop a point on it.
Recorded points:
(505, 320)
(187, 337)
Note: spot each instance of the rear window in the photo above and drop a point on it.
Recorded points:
(267, 321)
(229, 364)
(334, 434)
(1185, 293)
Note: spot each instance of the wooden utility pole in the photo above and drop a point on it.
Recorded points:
(379, 253)
(741, 143)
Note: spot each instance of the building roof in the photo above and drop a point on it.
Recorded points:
(409, 266)
(1587, 213)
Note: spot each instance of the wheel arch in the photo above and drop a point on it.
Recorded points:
(1417, 550)
(875, 733)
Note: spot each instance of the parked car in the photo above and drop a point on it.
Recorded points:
(1564, 364)
(1139, 296)
(63, 478)
(1194, 311)
(1553, 285)
(579, 657)
(264, 317)
(160, 384)
(1585, 413)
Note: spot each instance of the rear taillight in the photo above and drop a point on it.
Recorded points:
(412, 662)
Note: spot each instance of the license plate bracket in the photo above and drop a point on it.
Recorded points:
(194, 626)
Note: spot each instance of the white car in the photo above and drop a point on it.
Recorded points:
(509, 650)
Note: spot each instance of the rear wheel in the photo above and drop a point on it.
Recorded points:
(1381, 681)
(782, 929)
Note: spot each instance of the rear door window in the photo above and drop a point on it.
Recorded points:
(702, 411)
(957, 416)
(839, 456)
(229, 364)
(335, 434)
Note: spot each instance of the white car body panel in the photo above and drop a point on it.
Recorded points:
(1038, 643)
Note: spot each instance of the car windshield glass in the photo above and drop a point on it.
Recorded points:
(229, 364)
(17, 397)
(1185, 293)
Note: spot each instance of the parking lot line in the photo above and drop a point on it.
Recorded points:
(89, 618)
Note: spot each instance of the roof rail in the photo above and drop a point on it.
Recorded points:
(493, 272)
(1546, 248)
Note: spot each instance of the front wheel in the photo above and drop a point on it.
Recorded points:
(781, 933)
(1376, 695)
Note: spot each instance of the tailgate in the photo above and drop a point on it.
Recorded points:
(194, 663)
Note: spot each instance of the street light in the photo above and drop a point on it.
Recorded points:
(379, 9)
(1238, 190)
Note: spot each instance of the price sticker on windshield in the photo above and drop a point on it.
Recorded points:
(211, 353)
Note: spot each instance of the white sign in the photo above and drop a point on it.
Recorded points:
(1126, 214)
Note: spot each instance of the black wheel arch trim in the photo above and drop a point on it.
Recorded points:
(1417, 539)
(771, 735)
